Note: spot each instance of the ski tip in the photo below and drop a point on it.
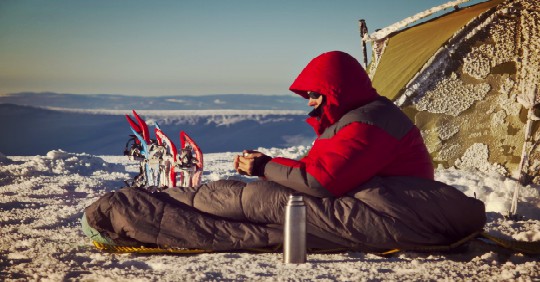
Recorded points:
(133, 124)
(143, 127)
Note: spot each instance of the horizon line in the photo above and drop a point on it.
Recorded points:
(135, 95)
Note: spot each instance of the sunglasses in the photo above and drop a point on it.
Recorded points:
(313, 95)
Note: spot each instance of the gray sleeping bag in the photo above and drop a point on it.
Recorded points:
(384, 213)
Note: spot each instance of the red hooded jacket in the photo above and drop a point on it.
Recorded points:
(360, 133)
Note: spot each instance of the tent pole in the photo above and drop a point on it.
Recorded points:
(525, 155)
(526, 145)
(524, 159)
(363, 32)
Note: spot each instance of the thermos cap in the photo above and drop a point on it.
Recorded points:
(296, 198)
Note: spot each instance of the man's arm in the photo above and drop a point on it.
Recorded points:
(339, 164)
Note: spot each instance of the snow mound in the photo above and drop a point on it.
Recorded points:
(530, 235)
(477, 157)
(496, 191)
(4, 159)
(58, 162)
(294, 152)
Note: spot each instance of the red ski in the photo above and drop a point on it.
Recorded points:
(190, 161)
(170, 158)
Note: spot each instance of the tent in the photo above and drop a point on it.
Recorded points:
(469, 79)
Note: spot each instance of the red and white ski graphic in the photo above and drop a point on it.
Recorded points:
(198, 163)
(171, 158)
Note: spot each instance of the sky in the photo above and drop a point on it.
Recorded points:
(166, 47)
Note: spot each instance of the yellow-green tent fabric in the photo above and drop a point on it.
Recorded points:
(408, 50)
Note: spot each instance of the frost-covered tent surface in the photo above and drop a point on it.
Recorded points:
(469, 79)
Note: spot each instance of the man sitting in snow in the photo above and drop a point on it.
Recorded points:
(367, 184)
(360, 134)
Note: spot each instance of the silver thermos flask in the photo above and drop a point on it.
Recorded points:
(294, 237)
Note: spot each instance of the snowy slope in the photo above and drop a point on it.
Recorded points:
(42, 199)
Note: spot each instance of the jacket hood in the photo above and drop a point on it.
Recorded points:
(341, 79)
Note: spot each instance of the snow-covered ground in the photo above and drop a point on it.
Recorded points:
(42, 199)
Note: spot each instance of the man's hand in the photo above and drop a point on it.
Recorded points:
(244, 164)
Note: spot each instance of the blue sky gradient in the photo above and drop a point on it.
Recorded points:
(156, 48)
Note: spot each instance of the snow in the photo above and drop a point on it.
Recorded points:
(447, 152)
(452, 96)
(529, 76)
(476, 157)
(383, 33)
(42, 199)
(507, 100)
(478, 87)
(420, 83)
(379, 41)
(478, 62)
(502, 28)
(4, 159)
(503, 34)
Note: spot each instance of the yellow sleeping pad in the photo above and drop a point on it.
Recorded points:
(144, 250)
(530, 248)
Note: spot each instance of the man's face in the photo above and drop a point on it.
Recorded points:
(315, 99)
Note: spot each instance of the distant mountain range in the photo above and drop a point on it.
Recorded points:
(35, 123)
(121, 102)
(29, 130)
